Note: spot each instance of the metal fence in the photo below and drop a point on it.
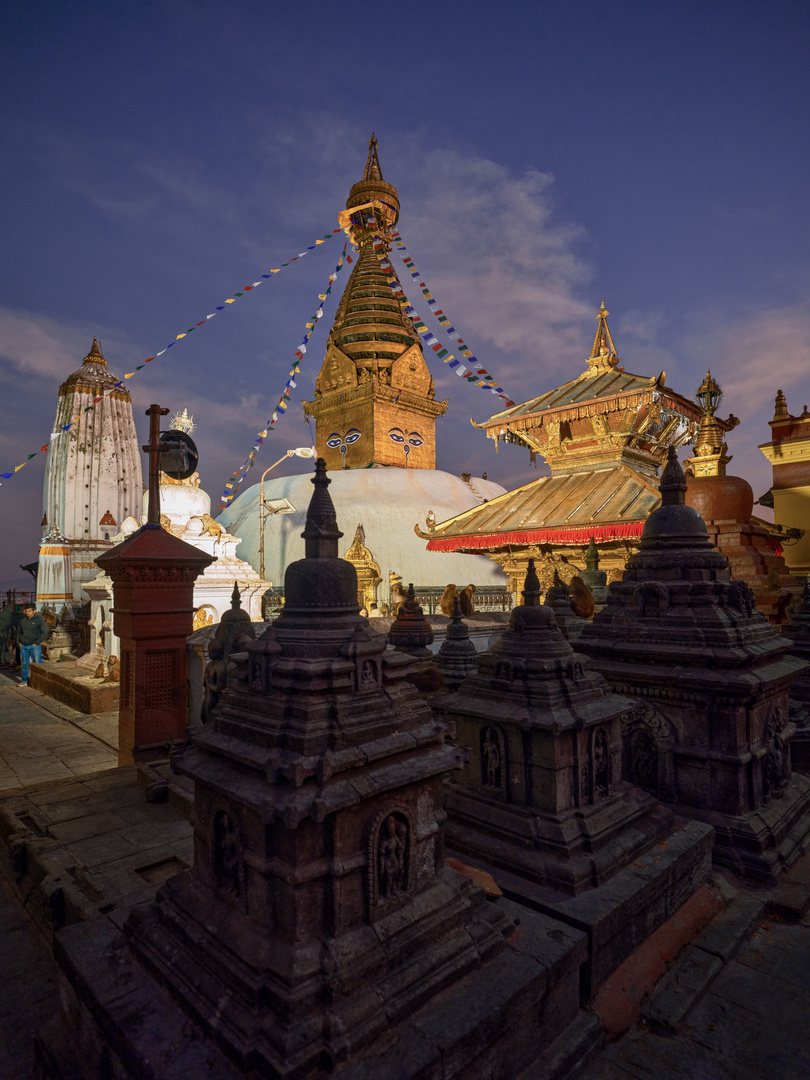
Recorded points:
(486, 598)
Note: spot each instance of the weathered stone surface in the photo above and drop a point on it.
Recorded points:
(472, 1030)
(712, 729)
(71, 685)
(318, 917)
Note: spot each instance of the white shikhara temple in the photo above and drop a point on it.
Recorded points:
(93, 477)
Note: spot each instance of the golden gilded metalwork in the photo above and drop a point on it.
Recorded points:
(711, 455)
(368, 571)
(374, 396)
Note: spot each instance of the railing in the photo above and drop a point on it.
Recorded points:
(486, 598)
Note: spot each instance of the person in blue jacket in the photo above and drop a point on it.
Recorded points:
(31, 632)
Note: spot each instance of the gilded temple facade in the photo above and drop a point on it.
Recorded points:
(604, 435)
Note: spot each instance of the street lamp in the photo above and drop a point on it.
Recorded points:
(264, 509)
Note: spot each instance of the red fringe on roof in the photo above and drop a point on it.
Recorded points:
(629, 530)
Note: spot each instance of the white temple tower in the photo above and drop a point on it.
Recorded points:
(93, 475)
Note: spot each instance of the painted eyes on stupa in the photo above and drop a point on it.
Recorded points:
(336, 439)
(413, 438)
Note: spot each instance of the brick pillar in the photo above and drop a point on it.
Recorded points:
(153, 574)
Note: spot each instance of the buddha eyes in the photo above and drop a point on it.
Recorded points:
(399, 436)
(335, 439)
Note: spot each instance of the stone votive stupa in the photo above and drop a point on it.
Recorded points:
(458, 657)
(711, 677)
(541, 804)
(319, 918)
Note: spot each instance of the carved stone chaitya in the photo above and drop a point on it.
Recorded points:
(318, 916)
(231, 635)
(541, 803)
(711, 678)
(542, 793)
(457, 658)
(411, 632)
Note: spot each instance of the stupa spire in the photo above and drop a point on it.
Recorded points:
(374, 396)
(321, 532)
(95, 356)
(603, 352)
(373, 169)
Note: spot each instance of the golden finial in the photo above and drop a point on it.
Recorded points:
(95, 356)
(603, 353)
(373, 170)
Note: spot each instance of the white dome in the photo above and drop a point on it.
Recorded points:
(387, 503)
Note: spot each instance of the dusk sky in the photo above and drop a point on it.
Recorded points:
(160, 156)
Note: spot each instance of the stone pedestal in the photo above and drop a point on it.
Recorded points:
(319, 930)
(711, 734)
(153, 576)
(541, 803)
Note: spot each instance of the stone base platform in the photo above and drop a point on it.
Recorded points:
(117, 1021)
(760, 845)
(71, 684)
(620, 914)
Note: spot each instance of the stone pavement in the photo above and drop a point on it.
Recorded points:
(734, 1004)
(44, 740)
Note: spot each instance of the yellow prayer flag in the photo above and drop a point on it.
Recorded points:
(231, 301)
(179, 336)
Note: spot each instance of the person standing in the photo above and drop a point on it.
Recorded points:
(31, 632)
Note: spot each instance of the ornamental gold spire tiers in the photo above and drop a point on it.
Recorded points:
(374, 397)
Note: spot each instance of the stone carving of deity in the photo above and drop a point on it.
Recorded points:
(228, 867)
(391, 857)
(491, 758)
(601, 763)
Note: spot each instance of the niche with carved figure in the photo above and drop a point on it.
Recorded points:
(492, 756)
(648, 751)
(226, 850)
(389, 858)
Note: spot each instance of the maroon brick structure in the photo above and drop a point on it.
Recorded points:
(153, 574)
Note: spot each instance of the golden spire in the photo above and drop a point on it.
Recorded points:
(603, 353)
(95, 356)
(710, 457)
(373, 170)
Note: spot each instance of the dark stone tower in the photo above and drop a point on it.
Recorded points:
(711, 677)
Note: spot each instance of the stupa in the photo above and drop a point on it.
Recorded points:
(318, 923)
(93, 475)
(797, 632)
(541, 803)
(711, 737)
(375, 415)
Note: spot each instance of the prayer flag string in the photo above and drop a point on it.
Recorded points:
(229, 494)
(479, 376)
(221, 307)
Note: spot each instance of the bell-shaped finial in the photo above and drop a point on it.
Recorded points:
(531, 587)
(321, 533)
(673, 481)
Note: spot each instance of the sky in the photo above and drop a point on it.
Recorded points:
(158, 156)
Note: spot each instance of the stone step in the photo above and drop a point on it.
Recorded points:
(700, 963)
(570, 1052)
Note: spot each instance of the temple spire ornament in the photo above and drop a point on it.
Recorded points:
(710, 457)
(603, 352)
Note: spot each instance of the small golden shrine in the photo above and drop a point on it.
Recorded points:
(374, 396)
(368, 571)
(604, 435)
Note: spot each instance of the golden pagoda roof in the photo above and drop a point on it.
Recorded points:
(565, 508)
(92, 376)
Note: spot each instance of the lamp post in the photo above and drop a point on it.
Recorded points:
(264, 509)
